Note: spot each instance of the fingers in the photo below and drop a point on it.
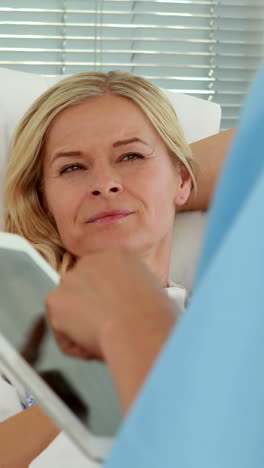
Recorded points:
(70, 348)
(62, 321)
(95, 293)
(56, 321)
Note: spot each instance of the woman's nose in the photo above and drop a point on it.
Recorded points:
(105, 186)
(107, 191)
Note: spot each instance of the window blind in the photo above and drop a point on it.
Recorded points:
(238, 48)
(209, 49)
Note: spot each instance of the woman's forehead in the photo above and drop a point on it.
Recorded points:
(99, 117)
(102, 107)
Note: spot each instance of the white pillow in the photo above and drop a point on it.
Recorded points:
(188, 236)
(199, 119)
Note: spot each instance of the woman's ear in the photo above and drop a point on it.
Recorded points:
(184, 186)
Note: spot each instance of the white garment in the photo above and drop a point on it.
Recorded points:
(62, 450)
(9, 400)
(67, 455)
(13, 396)
(177, 294)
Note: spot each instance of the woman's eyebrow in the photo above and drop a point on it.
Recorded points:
(63, 154)
(130, 140)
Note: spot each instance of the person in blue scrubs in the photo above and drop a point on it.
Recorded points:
(202, 404)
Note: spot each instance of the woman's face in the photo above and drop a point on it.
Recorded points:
(108, 178)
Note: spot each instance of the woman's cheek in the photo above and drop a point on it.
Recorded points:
(61, 207)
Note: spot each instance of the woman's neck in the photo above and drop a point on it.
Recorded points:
(158, 261)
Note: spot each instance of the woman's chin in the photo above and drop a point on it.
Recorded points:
(100, 245)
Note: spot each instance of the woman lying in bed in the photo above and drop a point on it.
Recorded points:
(100, 161)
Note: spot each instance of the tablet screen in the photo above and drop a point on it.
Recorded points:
(86, 387)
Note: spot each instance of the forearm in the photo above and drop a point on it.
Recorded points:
(209, 156)
(131, 347)
(24, 436)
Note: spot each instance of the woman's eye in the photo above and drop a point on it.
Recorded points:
(71, 168)
(132, 156)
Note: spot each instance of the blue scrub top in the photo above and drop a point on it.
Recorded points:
(203, 404)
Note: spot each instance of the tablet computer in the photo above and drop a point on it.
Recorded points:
(28, 351)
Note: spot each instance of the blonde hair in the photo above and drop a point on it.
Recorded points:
(25, 213)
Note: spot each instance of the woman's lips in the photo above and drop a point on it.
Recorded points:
(111, 218)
